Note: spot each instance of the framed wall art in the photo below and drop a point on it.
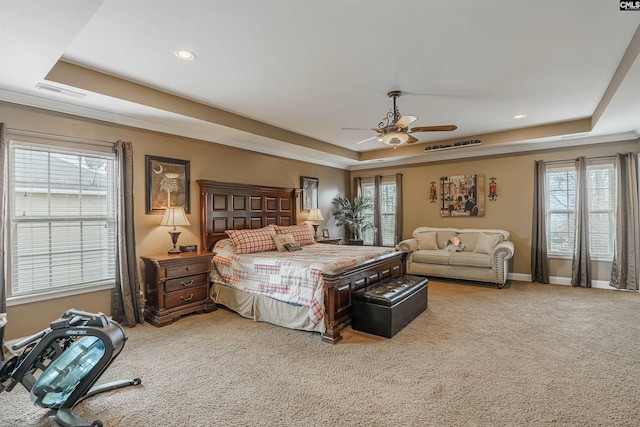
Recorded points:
(462, 195)
(309, 193)
(167, 184)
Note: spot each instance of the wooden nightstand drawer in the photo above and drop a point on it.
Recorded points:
(186, 296)
(186, 282)
(186, 270)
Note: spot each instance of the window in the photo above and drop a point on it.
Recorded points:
(62, 218)
(561, 197)
(388, 208)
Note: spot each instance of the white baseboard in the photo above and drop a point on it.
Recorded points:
(557, 280)
(519, 277)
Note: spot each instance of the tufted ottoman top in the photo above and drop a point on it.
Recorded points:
(390, 291)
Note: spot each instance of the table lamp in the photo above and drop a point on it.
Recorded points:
(315, 215)
(171, 218)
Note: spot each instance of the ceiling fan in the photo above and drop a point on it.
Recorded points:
(394, 130)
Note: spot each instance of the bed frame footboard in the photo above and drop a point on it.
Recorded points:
(339, 286)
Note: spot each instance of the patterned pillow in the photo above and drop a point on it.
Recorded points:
(250, 241)
(487, 242)
(292, 247)
(282, 239)
(427, 240)
(302, 233)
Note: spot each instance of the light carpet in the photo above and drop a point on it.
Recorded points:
(525, 355)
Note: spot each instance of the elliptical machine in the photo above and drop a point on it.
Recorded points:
(71, 354)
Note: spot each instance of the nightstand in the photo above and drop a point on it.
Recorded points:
(175, 285)
(328, 241)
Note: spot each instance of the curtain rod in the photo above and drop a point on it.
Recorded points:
(382, 176)
(546, 162)
(23, 132)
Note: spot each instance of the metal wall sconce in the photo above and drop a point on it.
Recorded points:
(492, 189)
(432, 192)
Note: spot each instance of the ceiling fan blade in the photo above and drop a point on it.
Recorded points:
(412, 139)
(366, 140)
(404, 121)
(434, 128)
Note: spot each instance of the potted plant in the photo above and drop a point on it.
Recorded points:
(351, 215)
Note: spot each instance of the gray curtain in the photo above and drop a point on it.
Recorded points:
(377, 212)
(625, 272)
(581, 266)
(125, 304)
(4, 156)
(399, 211)
(357, 187)
(539, 259)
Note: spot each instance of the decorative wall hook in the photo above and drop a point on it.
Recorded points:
(432, 192)
(493, 195)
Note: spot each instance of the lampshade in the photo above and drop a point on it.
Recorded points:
(173, 217)
(315, 215)
(395, 138)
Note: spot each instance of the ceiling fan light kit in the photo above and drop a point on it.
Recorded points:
(394, 131)
(394, 139)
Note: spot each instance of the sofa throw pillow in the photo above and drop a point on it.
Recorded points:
(281, 239)
(427, 240)
(250, 241)
(487, 242)
(302, 233)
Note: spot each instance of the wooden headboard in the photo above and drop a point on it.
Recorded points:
(228, 206)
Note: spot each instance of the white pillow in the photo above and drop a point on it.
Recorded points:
(427, 240)
(486, 243)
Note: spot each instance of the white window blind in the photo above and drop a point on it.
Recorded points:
(62, 211)
(561, 198)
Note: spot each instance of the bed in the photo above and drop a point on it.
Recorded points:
(328, 274)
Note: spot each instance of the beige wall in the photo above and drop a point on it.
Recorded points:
(512, 210)
(207, 161)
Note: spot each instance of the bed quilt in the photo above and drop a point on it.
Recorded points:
(292, 277)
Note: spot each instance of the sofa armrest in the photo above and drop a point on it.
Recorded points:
(408, 245)
(501, 253)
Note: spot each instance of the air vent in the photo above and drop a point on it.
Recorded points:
(575, 135)
(458, 144)
(61, 91)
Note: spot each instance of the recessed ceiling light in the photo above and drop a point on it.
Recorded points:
(185, 55)
(519, 116)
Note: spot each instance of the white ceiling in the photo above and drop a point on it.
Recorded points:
(316, 67)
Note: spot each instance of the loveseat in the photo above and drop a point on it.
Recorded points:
(459, 253)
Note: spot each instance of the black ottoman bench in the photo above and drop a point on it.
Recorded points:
(388, 306)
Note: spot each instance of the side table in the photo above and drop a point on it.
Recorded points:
(175, 285)
(328, 241)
